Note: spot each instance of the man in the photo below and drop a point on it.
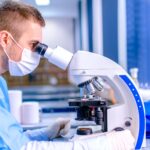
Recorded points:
(20, 30)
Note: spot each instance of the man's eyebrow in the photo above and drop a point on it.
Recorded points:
(34, 41)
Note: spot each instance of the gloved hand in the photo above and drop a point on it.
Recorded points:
(60, 127)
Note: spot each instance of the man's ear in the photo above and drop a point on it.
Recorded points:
(4, 39)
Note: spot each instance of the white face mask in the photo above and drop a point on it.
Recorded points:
(29, 61)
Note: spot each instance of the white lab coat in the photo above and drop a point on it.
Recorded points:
(115, 140)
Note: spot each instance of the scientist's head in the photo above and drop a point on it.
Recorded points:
(20, 30)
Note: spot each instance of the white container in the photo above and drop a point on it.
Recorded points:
(30, 113)
(15, 100)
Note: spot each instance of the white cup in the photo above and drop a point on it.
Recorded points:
(15, 101)
(30, 113)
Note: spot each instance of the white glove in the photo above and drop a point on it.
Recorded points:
(60, 127)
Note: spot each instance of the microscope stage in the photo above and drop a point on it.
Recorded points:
(87, 102)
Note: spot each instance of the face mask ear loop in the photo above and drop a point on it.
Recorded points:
(4, 49)
(15, 41)
(0, 38)
(6, 54)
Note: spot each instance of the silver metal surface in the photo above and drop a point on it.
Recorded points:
(97, 84)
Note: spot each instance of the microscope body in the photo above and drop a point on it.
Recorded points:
(127, 113)
(87, 70)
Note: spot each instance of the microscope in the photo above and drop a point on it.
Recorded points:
(91, 107)
(88, 71)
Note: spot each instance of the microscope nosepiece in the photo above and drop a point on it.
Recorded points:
(90, 88)
(97, 84)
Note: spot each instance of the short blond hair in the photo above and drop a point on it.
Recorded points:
(14, 14)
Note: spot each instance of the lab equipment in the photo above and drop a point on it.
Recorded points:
(87, 70)
(58, 56)
(128, 112)
(30, 113)
(134, 75)
(84, 131)
(15, 101)
(147, 110)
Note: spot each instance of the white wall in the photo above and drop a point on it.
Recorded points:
(84, 26)
(59, 31)
(97, 27)
(61, 8)
(57, 8)
(122, 37)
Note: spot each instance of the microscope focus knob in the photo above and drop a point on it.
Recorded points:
(127, 123)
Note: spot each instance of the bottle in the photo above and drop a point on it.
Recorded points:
(134, 75)
(58, 56)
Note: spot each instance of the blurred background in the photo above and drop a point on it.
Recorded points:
(117, 29)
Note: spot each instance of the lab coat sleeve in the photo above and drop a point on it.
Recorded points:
(37, 134)
(121, 140)
(36, 145)
(88, 144)
(4, 98)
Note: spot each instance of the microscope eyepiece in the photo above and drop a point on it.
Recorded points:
(41, 48)
(57, 56)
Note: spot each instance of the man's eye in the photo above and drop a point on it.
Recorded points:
(33, 45)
